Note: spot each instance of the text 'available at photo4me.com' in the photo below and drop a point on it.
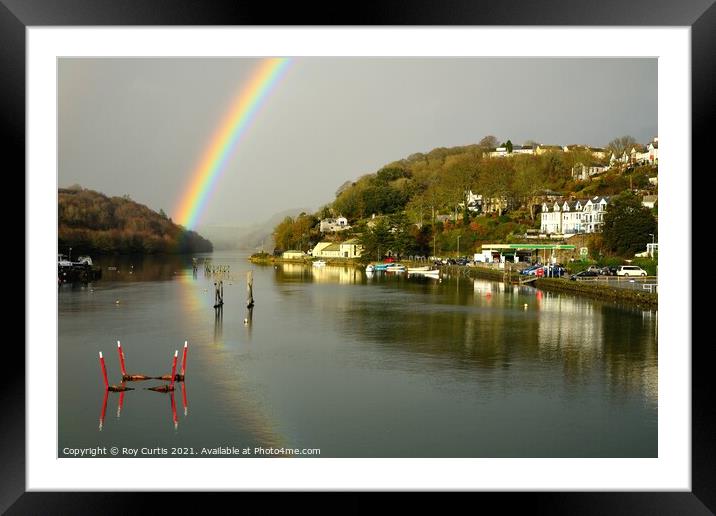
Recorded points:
(221, 451)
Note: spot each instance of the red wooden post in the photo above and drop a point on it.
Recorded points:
(104, 371)
(174, 367)
(121, 359)
(183, 359)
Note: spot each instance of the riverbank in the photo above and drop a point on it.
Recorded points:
(582, 288)
(268, 259)
(592, 290)
(603, 292)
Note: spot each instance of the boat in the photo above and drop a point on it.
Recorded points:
(424, 271)
(319, 263)
(395, 267)
(370, 268)
(62, 261)
(379, 267)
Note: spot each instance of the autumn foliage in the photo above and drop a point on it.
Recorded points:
(92, 223)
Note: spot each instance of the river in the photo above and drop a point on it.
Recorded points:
(354, 366)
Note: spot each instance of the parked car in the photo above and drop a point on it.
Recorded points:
(584, 274)
(554, 271)
(530, 270)
(630, 270)
(608, 271)
(389, 259)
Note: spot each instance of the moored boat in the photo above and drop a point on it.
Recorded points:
(319, 263)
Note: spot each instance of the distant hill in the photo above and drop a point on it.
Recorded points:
(92, 223)
(248, 237)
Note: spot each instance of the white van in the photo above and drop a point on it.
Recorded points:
(630, 270)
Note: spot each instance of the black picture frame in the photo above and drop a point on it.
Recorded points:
(699, 15)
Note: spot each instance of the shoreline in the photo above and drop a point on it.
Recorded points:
(590, 290)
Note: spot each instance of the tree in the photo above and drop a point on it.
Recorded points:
(488, 142)
(376, 240)
(621, 144)
(628, 225)
(508, 144)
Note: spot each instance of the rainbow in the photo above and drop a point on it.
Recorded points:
(222, 144)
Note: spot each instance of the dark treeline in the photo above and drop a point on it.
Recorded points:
(92, 223)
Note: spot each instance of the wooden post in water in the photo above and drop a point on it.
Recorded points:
(104, 371)
(121, 359)
(174, 368)
(183, 359)
(249, 289)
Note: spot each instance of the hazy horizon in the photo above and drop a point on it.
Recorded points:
(139, 126)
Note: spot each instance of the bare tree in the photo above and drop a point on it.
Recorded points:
(489, 142)
(621, 144)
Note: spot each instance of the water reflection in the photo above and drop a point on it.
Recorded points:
(248, 320)
(485, 324)
(291, 272)
(120, 405)
(142, 268)
(218, 324)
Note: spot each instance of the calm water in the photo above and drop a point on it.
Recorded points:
(355, 366)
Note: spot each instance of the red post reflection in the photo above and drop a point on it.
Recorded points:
(119, 405)
(174, 411)
(104, 409)
(183, 396)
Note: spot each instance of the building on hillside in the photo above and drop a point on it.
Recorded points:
(649, 201)
(542, 149)
(582, 172)
(573, 217)
(523, 149)
(653, 150)
(293, 255)
(593, 214)
(349, 249)
(476, 203)
(334, 225)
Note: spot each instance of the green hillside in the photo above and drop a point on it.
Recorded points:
(423, 198)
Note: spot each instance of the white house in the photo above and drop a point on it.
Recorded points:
(334, 225)
(523, 149)
(593, 214)
(653, 150)
(564, 217)
(572, 217)
(649, 201)
(293, 255)
(583, 172)
(349, 249)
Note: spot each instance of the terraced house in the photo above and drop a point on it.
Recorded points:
(573, 217)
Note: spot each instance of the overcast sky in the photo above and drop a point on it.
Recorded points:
(139, 126)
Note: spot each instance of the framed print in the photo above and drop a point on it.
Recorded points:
(416, 253)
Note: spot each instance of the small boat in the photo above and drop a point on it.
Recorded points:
(319, 263)
(370, 268)
(380, 267)
(395, 267)
(417, 270)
